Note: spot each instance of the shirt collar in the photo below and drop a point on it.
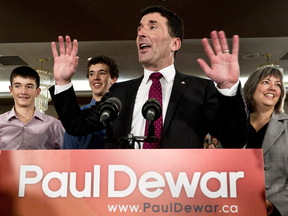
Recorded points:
(168, 74)
(12, 114)
(38, 115)
(92, 102)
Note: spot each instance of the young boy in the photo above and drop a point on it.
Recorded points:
(24, 127)
(102, 72)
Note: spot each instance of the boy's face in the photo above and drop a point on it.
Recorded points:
(100, 80)
(24, 91)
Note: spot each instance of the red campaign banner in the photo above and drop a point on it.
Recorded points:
(132, 182)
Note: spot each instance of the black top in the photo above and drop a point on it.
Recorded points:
(255, 138)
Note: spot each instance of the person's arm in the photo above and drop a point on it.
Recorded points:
(226, 117)
(224, 71)
(75, 121)
(61, 88)
(269, 207)
(229, 92)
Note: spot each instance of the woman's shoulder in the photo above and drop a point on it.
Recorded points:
(280, 116)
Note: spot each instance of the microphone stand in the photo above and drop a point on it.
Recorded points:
(151, 111)
(109, 135)
(129, 141)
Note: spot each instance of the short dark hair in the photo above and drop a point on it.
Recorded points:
(175, 24)
(254, 79)
(25, 72)
(113, 67)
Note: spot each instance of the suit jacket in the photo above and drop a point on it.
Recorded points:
(275, 150)
(195, 108)
(90, 141)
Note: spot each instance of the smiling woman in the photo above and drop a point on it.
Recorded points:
(264, 94)
(266, 80)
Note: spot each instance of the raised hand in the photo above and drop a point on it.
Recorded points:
(269, 207)
(66, 63)
(224, 66)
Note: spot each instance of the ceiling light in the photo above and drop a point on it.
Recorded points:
(46, 81)
(270, 64)
(249, 56)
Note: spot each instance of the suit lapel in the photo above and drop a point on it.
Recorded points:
(274, 130)
(178, 89)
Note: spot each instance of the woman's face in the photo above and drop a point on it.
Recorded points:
(267, 92)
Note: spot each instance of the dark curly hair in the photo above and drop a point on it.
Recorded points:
(113, 67)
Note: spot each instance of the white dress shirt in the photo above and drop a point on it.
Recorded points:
(138, 121)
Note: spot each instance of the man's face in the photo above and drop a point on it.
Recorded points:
(154, 43)
(24, 91)
(100, 80)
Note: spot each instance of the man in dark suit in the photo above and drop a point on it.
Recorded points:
(192, 106)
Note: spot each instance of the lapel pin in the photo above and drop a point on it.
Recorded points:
(182, 83)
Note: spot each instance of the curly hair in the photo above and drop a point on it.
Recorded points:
(113, 67)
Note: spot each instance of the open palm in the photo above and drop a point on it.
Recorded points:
(66, 63)
(224, 68)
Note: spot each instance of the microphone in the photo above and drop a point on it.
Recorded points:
(151, 110)
(110, 109)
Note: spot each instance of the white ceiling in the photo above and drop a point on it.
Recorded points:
(125, 54)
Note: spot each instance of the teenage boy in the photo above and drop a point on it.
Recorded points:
(24, 127)
(102, 72)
